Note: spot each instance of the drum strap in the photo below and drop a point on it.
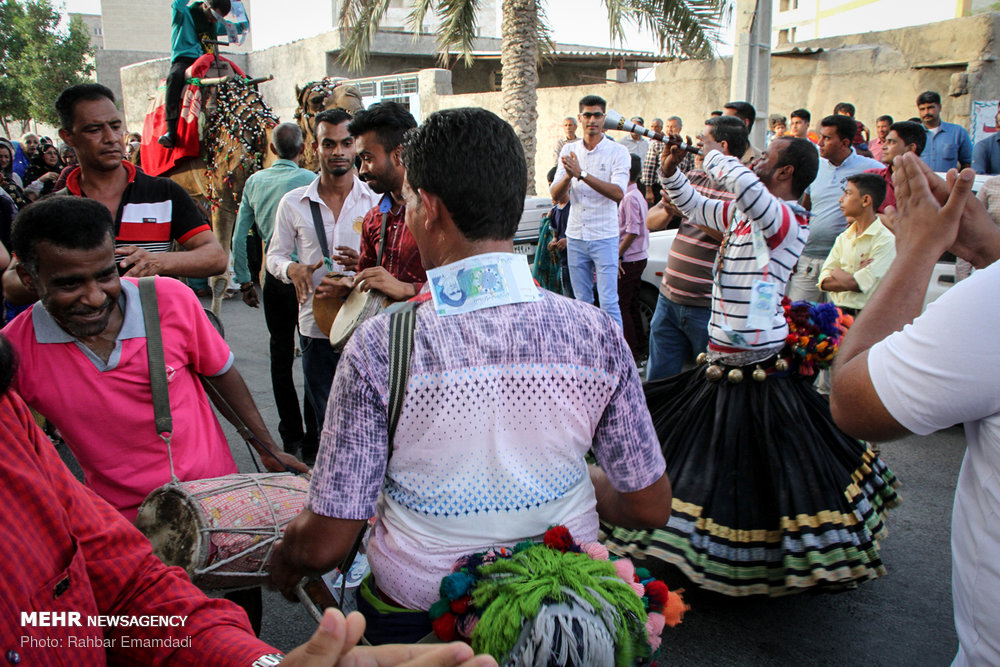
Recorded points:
(157, 365)
(317, 216)
(381, 238)
(402, 323)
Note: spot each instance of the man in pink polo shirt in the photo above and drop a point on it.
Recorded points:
(83, 361)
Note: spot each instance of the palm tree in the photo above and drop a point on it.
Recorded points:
(684, 28)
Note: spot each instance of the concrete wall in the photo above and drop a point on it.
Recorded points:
(880, 73)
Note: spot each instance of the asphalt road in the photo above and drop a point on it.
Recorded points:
(904, 618)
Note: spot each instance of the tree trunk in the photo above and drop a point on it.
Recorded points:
(519, 60)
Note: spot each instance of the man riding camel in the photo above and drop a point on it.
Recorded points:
(192, 29)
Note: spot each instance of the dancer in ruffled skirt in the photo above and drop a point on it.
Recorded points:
(770, 497)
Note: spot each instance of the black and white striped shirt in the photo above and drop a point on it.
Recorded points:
(784, 225)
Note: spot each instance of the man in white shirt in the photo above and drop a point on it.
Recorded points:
(595, 173)
(340, 199)
(634, 142)
(899, 370)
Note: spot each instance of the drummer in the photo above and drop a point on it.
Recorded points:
(67, 543)
(378, 132)
(298, 255)
(87, 320)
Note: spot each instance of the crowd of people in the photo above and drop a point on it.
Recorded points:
(734, 471)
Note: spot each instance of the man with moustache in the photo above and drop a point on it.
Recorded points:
(902, 137)
(569, 130)
(838, 160)
(150, 213)
(83, 360)
(948, 144)
(651, 164)
(392, 266)
(337, 200)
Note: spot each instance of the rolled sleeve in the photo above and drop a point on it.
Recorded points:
(353, 451)
(925, 375)
(620, 168)
(279, 251)
(625, 442)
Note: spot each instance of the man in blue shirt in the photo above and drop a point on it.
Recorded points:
(190, 26)
(838, 160)
(948, 145)
(986, 152)
(261, 195)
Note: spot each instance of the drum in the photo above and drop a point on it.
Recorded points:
(358, 307)
(325, 310)
(222, 530)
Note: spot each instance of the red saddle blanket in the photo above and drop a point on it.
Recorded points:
(156, 160)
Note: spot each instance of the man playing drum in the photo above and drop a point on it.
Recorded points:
(391, 266)
(83, 360)
(490, 444)
(70, 553)
(337, 201)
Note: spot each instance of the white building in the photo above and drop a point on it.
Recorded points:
(802, 20)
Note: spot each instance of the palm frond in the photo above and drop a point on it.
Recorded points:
(546, 45)
(458, 29)
(418, 14)
(361, 18)
(682, 27)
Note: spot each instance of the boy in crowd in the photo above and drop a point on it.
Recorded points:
(862, 253)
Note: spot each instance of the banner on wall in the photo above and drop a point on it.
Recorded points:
(983, 121)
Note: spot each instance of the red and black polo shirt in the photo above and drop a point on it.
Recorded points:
(153, 211)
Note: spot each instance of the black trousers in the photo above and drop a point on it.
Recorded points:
(175, 88)
(281, 313)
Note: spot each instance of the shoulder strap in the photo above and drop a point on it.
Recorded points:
(317, 216)
(157, 365)
(402, 323)
(381, 238)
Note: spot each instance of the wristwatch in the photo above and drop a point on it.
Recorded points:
(583, 175)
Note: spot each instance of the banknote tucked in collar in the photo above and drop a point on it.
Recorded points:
(482, 281)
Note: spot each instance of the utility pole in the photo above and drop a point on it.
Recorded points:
(751, 77)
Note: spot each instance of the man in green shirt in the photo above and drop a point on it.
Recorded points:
(190, 27)
(261, 195)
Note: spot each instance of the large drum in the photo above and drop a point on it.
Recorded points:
(358, 307)
(222, 530)
(325, 310)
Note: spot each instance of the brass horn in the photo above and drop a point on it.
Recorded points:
(615, 121)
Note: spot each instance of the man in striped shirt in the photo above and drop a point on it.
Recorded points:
(679, 328)
(764, 232)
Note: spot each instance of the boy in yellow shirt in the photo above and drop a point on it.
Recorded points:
(862, 253)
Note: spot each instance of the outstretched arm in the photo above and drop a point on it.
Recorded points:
(924, 230)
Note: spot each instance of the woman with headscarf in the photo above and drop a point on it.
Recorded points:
(9, 180)
(43, 172)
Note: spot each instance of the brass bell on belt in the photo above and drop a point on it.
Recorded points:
(735, 376)
(781, 365)
(714, 373)
(759, 375)
(701, 358)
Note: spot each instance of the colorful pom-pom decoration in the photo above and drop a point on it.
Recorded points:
(814, 334)
(513, 603)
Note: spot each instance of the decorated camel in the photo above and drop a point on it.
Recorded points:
(316, 96)
(233, 145)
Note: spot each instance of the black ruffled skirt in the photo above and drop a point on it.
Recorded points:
(769, 496)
